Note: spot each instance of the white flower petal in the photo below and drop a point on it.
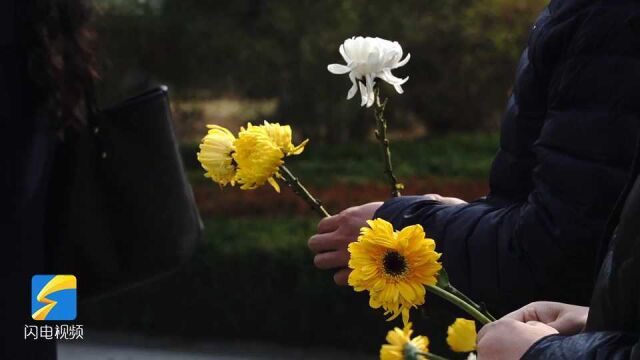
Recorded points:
(338, 69)
(354, 87)
(344, 54)
(398, 89)
(391, 79)
(363, 94)
(403, 62)
(367, 59)
(370, 92)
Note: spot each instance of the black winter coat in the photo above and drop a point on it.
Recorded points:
(613, 327)
(567, 143)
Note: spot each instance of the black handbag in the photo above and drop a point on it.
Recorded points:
(130, 214)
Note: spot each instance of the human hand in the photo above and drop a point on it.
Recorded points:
(566, 319)
(335, 233)
(508, 339)
(445, 200)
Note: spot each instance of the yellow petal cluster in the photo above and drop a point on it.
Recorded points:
(400, 344)
(281, 136)
(394, 266)
(252, 159)
(461, 335)
(215, 155)
(258, 158)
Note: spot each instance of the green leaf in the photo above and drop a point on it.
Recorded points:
(443, 279)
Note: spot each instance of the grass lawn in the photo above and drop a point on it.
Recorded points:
(458, 155)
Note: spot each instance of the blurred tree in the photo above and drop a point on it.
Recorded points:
(463, 55)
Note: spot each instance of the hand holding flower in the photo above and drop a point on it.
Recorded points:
(335, 233)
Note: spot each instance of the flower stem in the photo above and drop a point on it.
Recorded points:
(465, 298)
(468, 308)
(381, 135)
(302, 192)
(431, 356)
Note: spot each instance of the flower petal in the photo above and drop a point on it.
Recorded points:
(363, 94)
(391, 79)
(274, 183)
(370, 92)
(403, 62)
(354, 87)
(338, 69)
(344, 54)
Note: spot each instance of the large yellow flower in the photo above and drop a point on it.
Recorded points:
(401, 346)
(281, 136)
(215, 155)
(394, 266)
(461, 335)
(258, 158)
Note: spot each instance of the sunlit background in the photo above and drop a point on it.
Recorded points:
(251, 289)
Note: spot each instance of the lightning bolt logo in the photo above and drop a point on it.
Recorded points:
(57, 283)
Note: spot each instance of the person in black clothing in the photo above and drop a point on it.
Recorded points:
(46, 63)
(567, 142)
(609, 329)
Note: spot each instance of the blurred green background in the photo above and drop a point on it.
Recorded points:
(229, 62)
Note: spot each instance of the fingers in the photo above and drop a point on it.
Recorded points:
(342, 277)
(536, 323)
(332, 260)
(329, 224)
(525, 314)
(572, 321)
(323, 242)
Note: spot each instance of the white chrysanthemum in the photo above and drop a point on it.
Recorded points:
(367, 59)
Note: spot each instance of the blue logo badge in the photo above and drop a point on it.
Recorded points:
(53, 297)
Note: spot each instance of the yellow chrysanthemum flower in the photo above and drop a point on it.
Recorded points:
(281, 136)
(401, 346)
(215, 155)
(257, 157)
(461, 335)
(394, 266)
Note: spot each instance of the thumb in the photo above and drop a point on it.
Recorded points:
(540, 326)
(536, 323)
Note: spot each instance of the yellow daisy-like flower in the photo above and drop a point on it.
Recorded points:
(401, 346)
(394, 266)
(461, 335)
(258, 158)
(215, 155)
(281, 136)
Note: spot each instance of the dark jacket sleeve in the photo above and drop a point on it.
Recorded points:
(586, 346)
(567, 143)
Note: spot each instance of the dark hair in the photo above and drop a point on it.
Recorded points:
(62, 62)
